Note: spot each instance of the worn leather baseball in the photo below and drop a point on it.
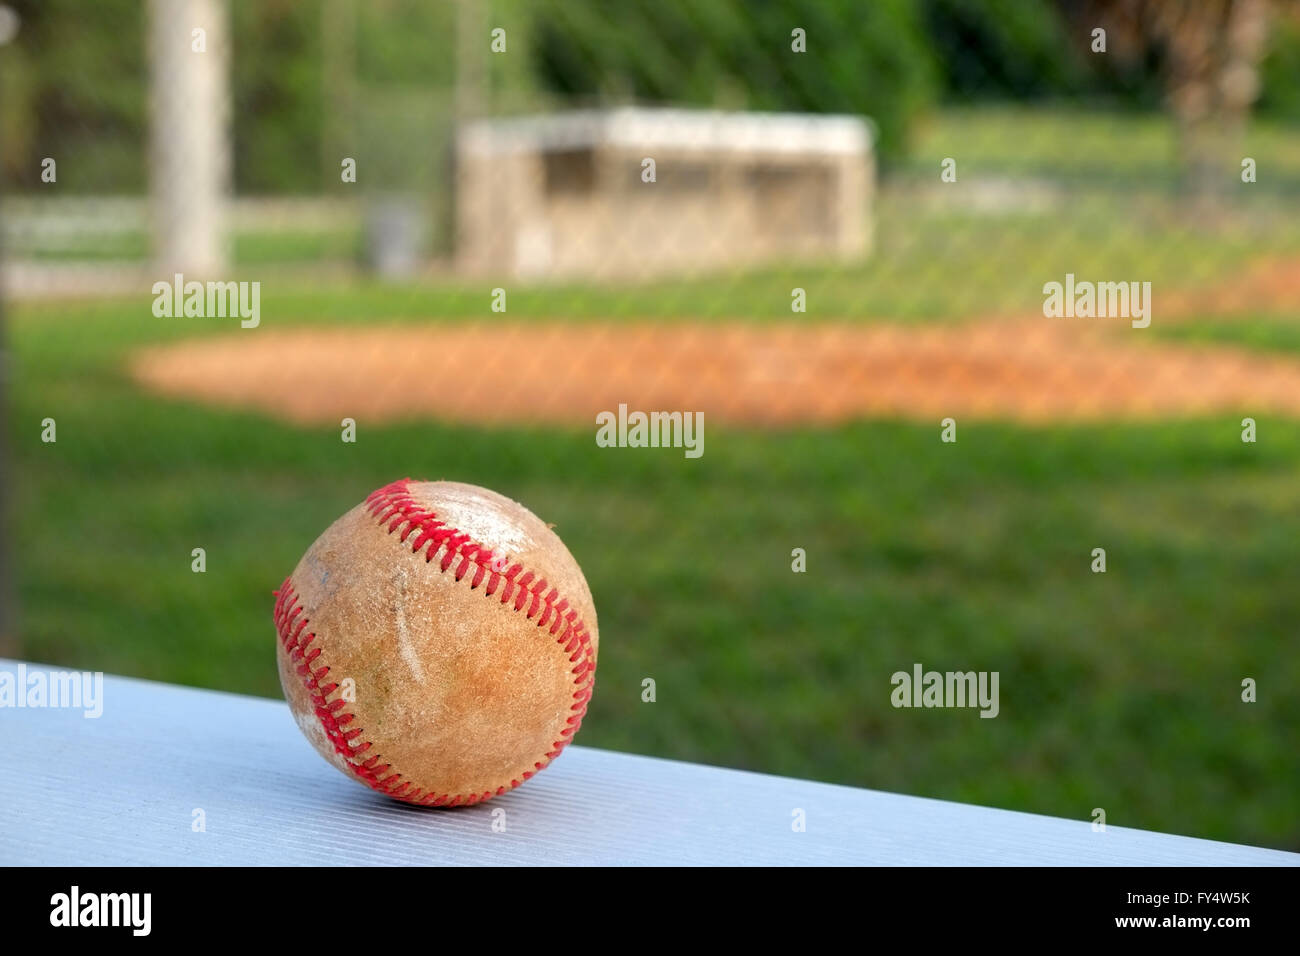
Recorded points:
(437, 643)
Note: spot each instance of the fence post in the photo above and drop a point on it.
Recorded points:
(189, 134)
(8, 617)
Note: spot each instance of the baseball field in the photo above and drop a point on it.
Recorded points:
(1120, 690)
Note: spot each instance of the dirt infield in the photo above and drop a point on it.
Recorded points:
(1033, 370)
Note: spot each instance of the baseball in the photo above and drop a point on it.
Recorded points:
(437, 643)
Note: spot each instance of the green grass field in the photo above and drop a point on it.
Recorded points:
(1118, 690)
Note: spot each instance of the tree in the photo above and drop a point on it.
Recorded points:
(1210, 53)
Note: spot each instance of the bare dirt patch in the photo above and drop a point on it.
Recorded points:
(1032, 370)
(1270, 285)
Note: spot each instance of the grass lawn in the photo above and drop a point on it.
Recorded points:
(1118, 690)
(1261, 332)
(1122, 150)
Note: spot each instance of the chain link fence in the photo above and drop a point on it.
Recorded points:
(839, 342)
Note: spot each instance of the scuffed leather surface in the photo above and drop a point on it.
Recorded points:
(456, 691)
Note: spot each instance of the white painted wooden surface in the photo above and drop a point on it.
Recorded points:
(123, 788)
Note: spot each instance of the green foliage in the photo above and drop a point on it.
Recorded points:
(373, 81)
(313, 80)
(76, 92)
(870, 59)
(406, 43)
(276, 77)
(1003, 48)
(377, 87)
(1280, 73)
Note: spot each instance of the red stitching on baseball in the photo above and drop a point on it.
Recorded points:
(394, 505)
